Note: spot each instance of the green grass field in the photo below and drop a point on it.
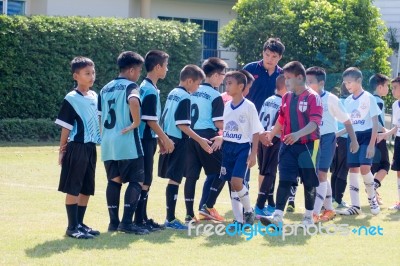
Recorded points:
(33, 222)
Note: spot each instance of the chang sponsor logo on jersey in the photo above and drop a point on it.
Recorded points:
(355, 118)
(232, 126)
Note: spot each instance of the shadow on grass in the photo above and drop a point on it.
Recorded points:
(392, 216)
(105, 241)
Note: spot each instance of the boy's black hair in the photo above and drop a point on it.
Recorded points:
(376, 80)
(296, 68)
(213, 65)
(154, 58)
(274, 45)
(344, 92)
(318, 72)
(280, 82)
(396, 80)
(352, 72)
(129, 59)
(238, 76)
(191, 72)
(249, 76)
(80, 62)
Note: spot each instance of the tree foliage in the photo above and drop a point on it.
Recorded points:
(334, 34)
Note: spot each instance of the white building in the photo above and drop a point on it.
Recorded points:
(211, 15)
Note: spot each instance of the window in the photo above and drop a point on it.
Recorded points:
(209, 38)
(14, 7)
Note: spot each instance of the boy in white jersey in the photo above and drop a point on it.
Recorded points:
(379, 84)
(333, 111)
(363, 111)
(395, 130)
(268, 155)
(240, 141)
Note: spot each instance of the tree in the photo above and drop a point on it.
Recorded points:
(334, 34)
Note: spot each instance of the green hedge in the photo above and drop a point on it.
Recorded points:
(35, 53)
(28, 129)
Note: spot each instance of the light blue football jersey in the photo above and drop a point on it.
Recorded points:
(78, 114)
(151, 108)
(176, 112)
(115, 116)
(206, 107)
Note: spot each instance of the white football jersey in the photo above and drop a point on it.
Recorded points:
(269, 112)
(396, 116)
(361, 109)
(241, 122)
(334, 112)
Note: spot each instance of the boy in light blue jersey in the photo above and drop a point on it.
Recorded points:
(363, 111)
(333, 111)
(77, 155)
(175, 121)
(121, 150)
(156, 63)
(379, 84)
(207, 109)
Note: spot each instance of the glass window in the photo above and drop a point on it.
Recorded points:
(13, 7)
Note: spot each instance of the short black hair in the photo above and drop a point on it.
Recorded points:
(129, 59)
(396, 80)
(191, 72)
(318, 72)
(352, 72)
(280, 82)
(249, 76)
(377, 79)
(80, 62)
(274, 45)
(213, 65)
(238, 76)
(296, 68)
(154, 58)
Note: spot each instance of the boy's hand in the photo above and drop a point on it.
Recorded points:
(354, 146)
(60, 157)
(217, 143)
(370, 151)
(266, 138)
(161, 148)
(127, 129)
(251, 160)
(382, 136)
(169, 145)
(205, 145)
(291, 138)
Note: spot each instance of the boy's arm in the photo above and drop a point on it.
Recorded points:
(374, 135)
(167, 143)
(354, 143)
(63, 144)
(341, 132)
(267, 136)
(295, 136)
(134, 107)
(252, 159)
(204, 143)
(219, 124)
(387, 134)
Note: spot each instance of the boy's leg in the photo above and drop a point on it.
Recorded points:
(113, 193)
(71, 203)
(189, 193)
(207, 186)
(341, 171)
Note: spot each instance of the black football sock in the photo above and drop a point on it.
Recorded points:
(72, 213)
(339, 190)
(271, 201)
(189, 191)
(206, 189)
(171, 194)
(132, 196)
(309, 197)
(140, 208)
(81, 213)
(264, 191)
(145, 200)
(113, 193)
(377, 183)
(216, 188)
(282, 194)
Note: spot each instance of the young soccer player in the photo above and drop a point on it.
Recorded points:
(265, 72)
(121, 150)
(339, 166)
(379, 84)
(77, 155)
(395, 130)
(240, 142)
(268, 155)
(208, 200)
(156, 63)
(207, 109)
(363, 111)
(175, 122)
(299, 117)
(333, 111)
